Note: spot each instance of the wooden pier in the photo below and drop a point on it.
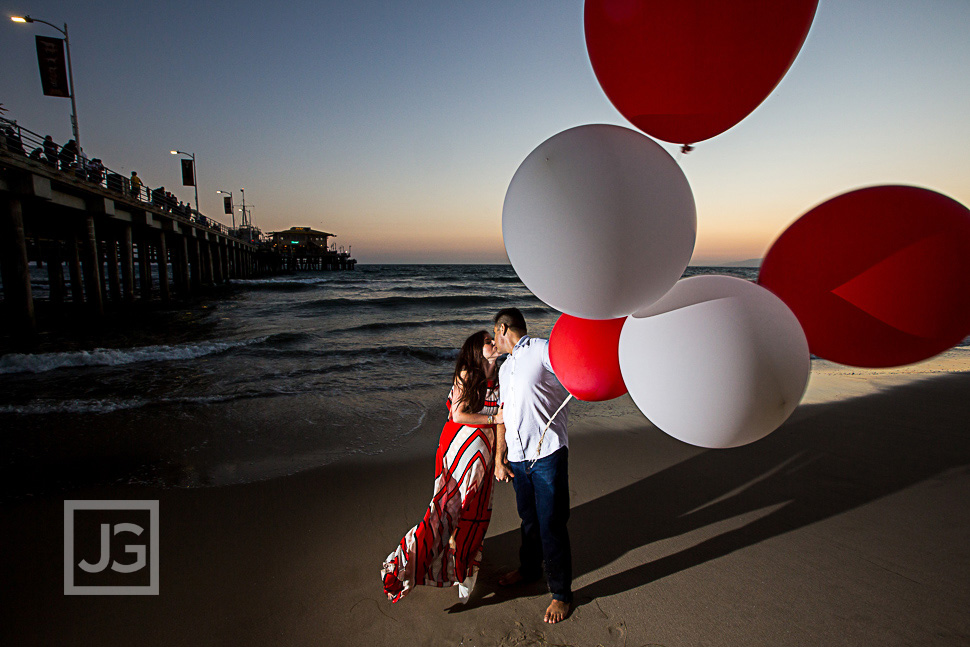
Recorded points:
(108, 237)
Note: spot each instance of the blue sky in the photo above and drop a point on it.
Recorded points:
(398, 125)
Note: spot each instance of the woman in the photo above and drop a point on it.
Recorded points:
(445, 549)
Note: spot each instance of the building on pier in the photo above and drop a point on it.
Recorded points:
(303, 248)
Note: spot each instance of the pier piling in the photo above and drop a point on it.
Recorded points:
(127, 264)
(163, 286)
(16, 266)
(74, 270)
(91, 265)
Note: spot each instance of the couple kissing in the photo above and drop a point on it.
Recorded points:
(496, 419)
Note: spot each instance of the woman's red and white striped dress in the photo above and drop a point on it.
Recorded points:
(445, 549)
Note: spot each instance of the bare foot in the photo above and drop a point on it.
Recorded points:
(557, 611)
(511, 579)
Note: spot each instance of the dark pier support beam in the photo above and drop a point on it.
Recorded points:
(102, 272)
(127, 265)
(221, 275)
(196, 276)
(55, 272)
(74, 270)
(144, 270)
(173, 251)
(163, 286)
(182, 245)
(217, 262)
(15, 267)
(114, 279)
(207, 262)
(91, 262)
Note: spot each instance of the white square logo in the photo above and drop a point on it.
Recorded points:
(111, 547)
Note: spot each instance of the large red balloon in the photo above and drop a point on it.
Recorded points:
(877, 277)
(686, 70)
(585, 357)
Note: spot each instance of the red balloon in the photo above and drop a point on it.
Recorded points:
(686, 70)
(585, 357)
(877, 277)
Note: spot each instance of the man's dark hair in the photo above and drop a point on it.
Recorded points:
(512, 318)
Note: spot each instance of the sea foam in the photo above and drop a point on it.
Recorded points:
(43, 362)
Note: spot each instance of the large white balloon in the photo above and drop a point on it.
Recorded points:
(599, 221)
(717, 362)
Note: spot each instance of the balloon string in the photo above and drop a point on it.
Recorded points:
(543, 436)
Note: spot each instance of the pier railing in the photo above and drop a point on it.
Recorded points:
(17, 140)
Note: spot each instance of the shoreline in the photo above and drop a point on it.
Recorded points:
(194, 446)
(848, 525)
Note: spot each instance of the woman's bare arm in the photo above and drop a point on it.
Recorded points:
(458, 409)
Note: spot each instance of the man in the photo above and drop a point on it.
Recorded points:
(136, 185)
(530, 393)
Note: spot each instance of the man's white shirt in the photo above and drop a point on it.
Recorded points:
(530, 393)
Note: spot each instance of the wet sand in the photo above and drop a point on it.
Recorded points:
(850, 525)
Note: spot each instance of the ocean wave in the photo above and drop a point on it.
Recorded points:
(284, 339)
(282, 279)
(40, 407)
(450, 300)
(108, 405)
(43, 362)
(397, 325)
(47, 406)
(424, 353)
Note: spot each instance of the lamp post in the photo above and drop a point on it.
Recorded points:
(70, 72)
(195, 180)
(231, 209)
(243, 191)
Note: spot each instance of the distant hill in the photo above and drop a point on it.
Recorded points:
(751, 262)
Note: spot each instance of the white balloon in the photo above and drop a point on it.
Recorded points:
(599, 221)
(717, 362)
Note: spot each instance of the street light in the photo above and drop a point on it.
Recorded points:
(231, 210)
(243, 190)
(70, 72)
(195, 180)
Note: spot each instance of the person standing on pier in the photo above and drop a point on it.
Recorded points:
(50, 150)
(136, 185)
(68, 155)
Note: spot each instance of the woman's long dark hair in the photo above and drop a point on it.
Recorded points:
(474, 383)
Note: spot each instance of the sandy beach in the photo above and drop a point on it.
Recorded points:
(849, 525)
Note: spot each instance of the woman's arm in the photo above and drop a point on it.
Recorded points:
(459, 413)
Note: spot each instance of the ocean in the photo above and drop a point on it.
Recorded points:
(279, 375)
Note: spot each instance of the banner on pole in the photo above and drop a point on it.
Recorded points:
(53, 69)
(188, 173)
(227, 204)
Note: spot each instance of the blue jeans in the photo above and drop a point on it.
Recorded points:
(542, 497)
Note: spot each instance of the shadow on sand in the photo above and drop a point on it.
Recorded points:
(827, 459)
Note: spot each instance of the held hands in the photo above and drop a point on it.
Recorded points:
(503, 471)
(499, 418)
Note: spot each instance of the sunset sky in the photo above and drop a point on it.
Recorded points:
(398, 125)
